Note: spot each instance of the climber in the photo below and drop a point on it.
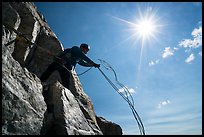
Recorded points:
(67, 60)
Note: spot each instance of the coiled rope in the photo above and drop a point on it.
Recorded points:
(124, 95)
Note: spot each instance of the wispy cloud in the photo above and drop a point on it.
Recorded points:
(190, 58)
(180, 122)
(163, 103)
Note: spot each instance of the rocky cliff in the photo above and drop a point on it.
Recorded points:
(27, 107)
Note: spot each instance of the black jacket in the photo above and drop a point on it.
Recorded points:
(71, 56)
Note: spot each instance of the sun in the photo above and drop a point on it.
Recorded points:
(145, 28)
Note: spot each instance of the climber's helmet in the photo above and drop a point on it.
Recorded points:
(85, 47)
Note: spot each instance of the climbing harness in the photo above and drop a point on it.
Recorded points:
(73, 73)
(21, 35)
(124, 95)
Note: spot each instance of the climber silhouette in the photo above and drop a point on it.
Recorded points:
(67, 61)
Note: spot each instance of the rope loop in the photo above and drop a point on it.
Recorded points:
(125, 95)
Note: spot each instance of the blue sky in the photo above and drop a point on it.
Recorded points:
(155, 49)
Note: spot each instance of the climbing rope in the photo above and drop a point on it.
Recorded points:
(124, 95)
(73, 73)
(21, 35)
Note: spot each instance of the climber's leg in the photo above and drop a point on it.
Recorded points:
(65, 76)
(52, 67)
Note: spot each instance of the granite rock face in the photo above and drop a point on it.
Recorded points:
(27, 107)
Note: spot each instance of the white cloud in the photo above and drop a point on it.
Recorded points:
(188, 44)
(200, 53)
(152, 63)
(163, 103)
(175, 48)
(195, 42)
(190, 58)
(197, 32)
(131, 90)
(167, 52)
(157, 61)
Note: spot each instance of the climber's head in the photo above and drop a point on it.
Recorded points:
(85, 48)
